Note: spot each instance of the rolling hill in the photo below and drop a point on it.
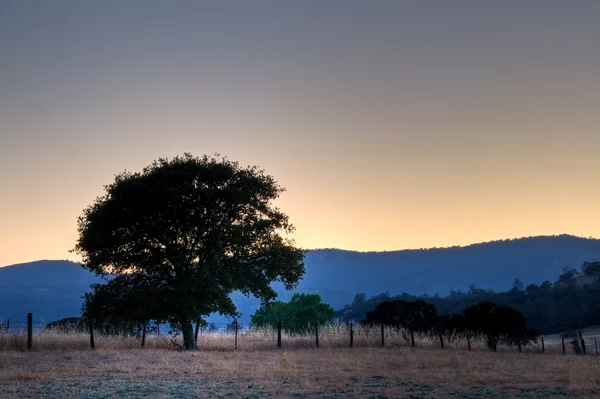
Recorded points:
(53, 289)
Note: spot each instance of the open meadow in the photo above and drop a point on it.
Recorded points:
(62, 365)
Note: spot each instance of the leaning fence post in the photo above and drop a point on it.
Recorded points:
(29, 330)
(236, 333)
(519, 345)
(382, 336)
(563, 345)
(144, 335)
(196, 331)
(469, 341)
(317, 334)
(412, 338)
(279, 334)
(8, 325)
(441, 338)
(582, 343)
(543, 347)
(351, 335)
(91, 325)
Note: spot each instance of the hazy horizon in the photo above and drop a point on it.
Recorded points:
(72, 259)
(392, 124)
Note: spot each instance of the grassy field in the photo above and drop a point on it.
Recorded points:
(299, 373)
(63, 366)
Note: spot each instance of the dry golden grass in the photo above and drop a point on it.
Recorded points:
(391, 372)
(62, 365)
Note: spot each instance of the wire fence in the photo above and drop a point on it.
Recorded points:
(19, 335)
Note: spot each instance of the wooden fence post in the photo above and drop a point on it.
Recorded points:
(144, 335)
(469, 341)
(563, 345)
(236, 333)
(29, 330)
(317, 334)
(196, 332)
(412, 338)
(519, 345)
(7, 325)
(91, 325)
(351, 335)
(582, 343)
(441, 338)
(543, 347)
(279, 334)
(382, 336)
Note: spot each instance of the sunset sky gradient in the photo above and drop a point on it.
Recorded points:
(392, 124)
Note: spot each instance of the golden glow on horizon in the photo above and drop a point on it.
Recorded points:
(391, 127)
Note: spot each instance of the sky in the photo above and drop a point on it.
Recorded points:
(392, 124)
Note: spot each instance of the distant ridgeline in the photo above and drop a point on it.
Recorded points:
(571, 302)
(53, 290)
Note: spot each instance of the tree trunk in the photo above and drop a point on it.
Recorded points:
(189, 341)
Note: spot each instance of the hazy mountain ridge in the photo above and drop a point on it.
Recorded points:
(53, 289)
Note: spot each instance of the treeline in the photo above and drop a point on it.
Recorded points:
(497, 324)
(571, 302)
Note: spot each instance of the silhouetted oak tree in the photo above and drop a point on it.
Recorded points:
(202, 227)
(417, 316)
(126, 304)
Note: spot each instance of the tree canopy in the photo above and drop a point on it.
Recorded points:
(570, 303)
(417, 316)
(495, 323)
(298, 315)
(190, 231)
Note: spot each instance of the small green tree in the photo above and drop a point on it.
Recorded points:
(302, 312)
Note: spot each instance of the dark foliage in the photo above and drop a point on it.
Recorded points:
(549, 307)
(496, 323)
(417, 316)
(182, 235)
(67, 325)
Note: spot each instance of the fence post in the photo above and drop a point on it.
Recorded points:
(236, 333)
(469, 341)
(196, 332)
(91, 325)
(519, 345)
(382, 336)
(441, 338)
(543, 347)
(144, 335)
(279, 334)
(412, 338)
(596, 343)
(29, 330)
(317, 334)
(8, 325)
(563, 345)
(582, 343)
(351, 335)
